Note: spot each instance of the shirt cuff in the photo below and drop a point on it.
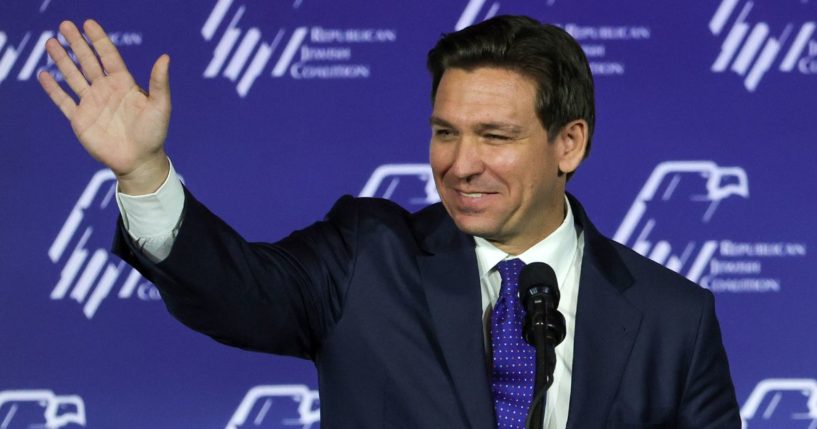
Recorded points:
(156, 214)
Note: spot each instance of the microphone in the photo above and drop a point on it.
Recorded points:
(544, 329)
(539, 296)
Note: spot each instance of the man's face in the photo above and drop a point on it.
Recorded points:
(496, 173)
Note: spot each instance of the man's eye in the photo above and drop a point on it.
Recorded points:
(496, 137)
(443, 133)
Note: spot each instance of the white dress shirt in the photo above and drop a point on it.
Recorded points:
(153, 221)
(562, 250)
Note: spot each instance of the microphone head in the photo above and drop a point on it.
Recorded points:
(539, 295)
(537, 279)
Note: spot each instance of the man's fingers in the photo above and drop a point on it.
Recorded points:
(57, 95)
(66, 66)
(90, 65)
(159, 87)
(108, 53)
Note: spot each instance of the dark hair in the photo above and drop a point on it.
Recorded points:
(545, 53)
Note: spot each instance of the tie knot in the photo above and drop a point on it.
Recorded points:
(509, 271)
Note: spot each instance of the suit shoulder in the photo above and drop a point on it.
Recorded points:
(366, 207)
(369, 209)
(369, 215)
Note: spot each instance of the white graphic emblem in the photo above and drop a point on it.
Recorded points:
(781, 402)
(89, 271)
(243, 55)
(13, 52)
(669, 222)
(752, 49)
(272, 406)
(59, 410)
(662, 186)
(472, 10)
(411, 185)
(29, 50)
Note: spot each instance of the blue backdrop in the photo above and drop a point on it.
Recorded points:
(702, 160)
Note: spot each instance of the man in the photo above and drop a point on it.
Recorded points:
(412, 320)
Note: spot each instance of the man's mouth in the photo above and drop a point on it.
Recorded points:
(474, 195)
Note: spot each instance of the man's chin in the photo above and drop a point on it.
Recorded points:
(476, 227)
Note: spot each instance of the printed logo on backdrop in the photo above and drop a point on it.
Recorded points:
(44, 5)
(752, 47)
(22, 55)
(410, 185)
(596, 40)
(674, 221)
(242, 54)
(40, 408)
(89, 272)
(781, 403)
(275, 406)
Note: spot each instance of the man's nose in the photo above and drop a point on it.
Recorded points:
(468, 161)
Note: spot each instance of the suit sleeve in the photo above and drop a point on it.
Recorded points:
(280, 298)
(709, 395)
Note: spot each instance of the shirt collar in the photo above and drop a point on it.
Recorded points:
(556, 250)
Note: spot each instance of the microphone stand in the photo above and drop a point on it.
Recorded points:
(545, 364)
(544, 329)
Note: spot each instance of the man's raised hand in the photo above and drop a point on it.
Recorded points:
(116, 121)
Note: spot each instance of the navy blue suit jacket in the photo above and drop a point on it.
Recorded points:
(388, 306)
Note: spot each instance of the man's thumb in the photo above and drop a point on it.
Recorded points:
(159, 87)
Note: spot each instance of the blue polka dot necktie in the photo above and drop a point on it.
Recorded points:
(513, 359)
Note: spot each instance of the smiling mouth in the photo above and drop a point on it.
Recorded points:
(474, 195)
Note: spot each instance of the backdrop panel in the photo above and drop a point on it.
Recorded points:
(702, 160)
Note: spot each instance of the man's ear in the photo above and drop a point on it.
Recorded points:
(572, 144)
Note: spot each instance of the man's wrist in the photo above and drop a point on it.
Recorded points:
(147, 178)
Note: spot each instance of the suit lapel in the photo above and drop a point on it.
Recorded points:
(606, 327)
(451, 282)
